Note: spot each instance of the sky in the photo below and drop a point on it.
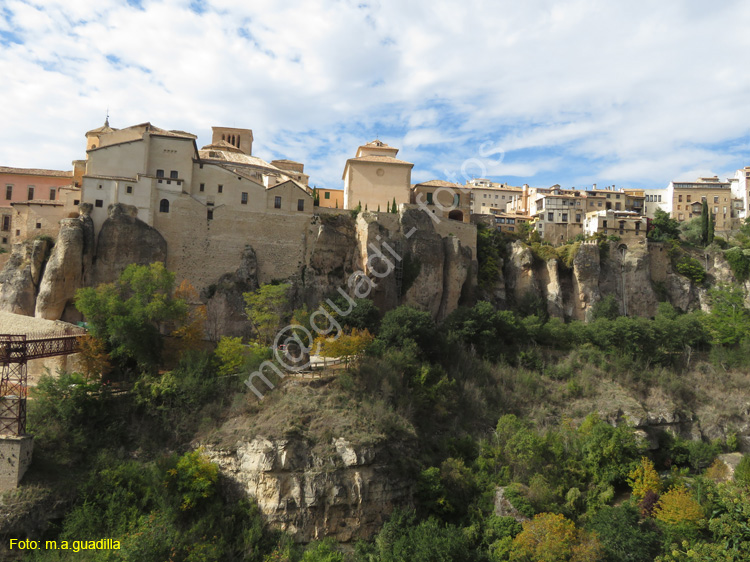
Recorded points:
(571, 92)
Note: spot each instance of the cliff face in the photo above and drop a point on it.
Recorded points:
(20, 278)
(124, 239)
(67, 268)
(346, 496)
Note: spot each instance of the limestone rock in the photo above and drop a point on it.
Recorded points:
(586, 272)
(20, 278)
(124, 239)
(456, 272)
(503, 507)
(424, 256)
(637, 295)
(329, 262)
(225, 304)
(347, 496)
(67, 267)
(520, 278)
(555, 304)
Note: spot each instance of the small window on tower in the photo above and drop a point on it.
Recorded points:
(243, 200)
(39, 225)
(221, 188)
(173, 174)
(202, 187)
(129, 189)
(52, 193)
(31, 192)
(99, 203)
(159, 173)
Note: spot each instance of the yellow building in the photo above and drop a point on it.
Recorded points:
(332, 198)
(375, 177)
(687, 201)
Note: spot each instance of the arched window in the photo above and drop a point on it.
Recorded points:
(164, 206)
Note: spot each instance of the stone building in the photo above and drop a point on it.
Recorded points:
(628, 225)
(444, 199)
(687, 201)
(24, 185)
(486, 194)
(375, 178)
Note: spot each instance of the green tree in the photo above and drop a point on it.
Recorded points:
(606, 308)
(711, 227)
(663, 227)
(729, 321)
(407, 323)
(624, 537)
(266, 309)
(128, 314)
(644, 478)
(394, 207)
(705, 217)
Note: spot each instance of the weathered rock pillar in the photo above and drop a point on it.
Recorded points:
(15, 459)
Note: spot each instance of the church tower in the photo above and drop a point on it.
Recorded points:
(375, 177)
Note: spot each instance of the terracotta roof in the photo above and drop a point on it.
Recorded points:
(374, 158)
(36, 172)
(237, 158)
(377, 143)
(441, 183)
(222, 145)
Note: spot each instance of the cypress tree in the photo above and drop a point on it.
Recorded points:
(705, 217)
(388, 207)
(394, 208)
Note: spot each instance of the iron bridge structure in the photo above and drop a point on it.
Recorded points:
(15, 352)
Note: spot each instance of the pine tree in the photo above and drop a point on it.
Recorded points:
(365, 206)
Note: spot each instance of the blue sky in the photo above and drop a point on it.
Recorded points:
(573, 92)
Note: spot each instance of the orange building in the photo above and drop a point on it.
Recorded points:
(331, 198)
(26, 184)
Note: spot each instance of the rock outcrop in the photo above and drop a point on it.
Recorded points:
(520, 277)
(67, 268)
(329, 260)
(410, 263)
(586, 273)
(225, 304)
(346, 496)
(124, 239)
(20, 278)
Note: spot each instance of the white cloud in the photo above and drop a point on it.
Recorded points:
(579, 90)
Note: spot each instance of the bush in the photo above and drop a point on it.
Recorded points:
(692, 269)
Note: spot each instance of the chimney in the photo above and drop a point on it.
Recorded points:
(594, 187)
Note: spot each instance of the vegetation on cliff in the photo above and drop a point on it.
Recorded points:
(486, 403)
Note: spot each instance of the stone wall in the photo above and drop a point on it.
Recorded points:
(15, 459)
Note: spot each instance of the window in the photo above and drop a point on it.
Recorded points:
(687, 198)
(599, 204)
(716, 209)
(39, 225)
(429, 198)
(716, 198)
(5, 240)
(679, 207)
(243, 200)
(164, 206)
(100, 186)
(565, 217)
(6, 222)
(277, 202)
(725, 210)
(327, 195)
(617, 196)
(209, 214)
(159, 173)
(550, 217)
(617, 206)
(173, 174)
(8, 192)
(221, 188)
(659, 198)
(457, 199)
(680, 216)
(76, 201)
(202, 187)
(300, 204)
(129, 189)
(604, 224)
(52, 193)
(98, 203)
(609, 196)
(679, 198)
(31, 192)
(578, 218)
